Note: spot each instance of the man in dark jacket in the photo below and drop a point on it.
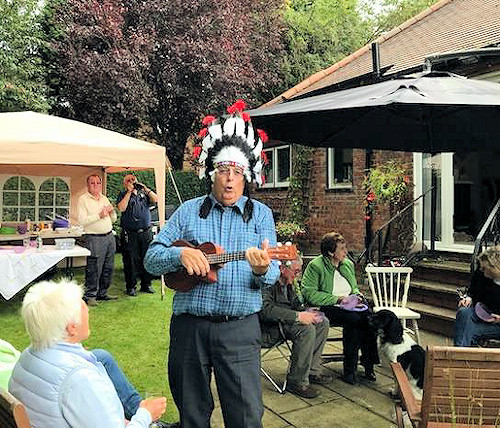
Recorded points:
(307, 330)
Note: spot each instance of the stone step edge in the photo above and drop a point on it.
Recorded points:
(437, 287)
(433, 311)
(452, 266)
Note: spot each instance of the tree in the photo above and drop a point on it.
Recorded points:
(99, 64)
(161, 65)
(22, 84)
(319, 33)
(392, 13)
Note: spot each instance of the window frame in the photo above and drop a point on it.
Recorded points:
(330, 171)
(275, 183)
(37, 182)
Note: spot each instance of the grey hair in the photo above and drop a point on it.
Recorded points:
(48, 308)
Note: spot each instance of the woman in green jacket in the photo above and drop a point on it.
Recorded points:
(326, 283)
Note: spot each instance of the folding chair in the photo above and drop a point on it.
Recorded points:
(278, 346)
(389, 286)
(12, 412)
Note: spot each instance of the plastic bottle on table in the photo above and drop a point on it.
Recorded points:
(39, 243)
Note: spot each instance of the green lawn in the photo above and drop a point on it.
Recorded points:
(133, 329)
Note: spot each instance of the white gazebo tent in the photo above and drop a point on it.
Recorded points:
(37, 144)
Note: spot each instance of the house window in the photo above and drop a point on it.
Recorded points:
(339, 168)
(34, 198)
(278, 170)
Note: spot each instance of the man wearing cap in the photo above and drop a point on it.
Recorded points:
(307, 330)
(215, 326)
(96, 215)
(136, 234)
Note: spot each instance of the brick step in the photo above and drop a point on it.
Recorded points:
(443, 272)
(435, 319)
(433, 293)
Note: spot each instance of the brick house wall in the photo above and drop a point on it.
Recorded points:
(334, 209)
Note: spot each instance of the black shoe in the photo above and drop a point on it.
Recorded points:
(323, 379)
(348, 378)
(131, 292)
(161, 424)
(106, 297)
(91, 301)
(149, 290)
(306, 391)
(370, 375)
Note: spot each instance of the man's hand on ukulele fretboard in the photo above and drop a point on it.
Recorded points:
(259, 259)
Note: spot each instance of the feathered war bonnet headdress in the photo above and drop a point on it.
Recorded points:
(234, 143)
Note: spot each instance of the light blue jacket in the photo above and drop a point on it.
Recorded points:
(64, 386)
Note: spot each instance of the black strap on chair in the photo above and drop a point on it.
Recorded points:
(278, 346)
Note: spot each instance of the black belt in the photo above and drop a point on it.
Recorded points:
(99, 234)
(137, 230)
(218, 318)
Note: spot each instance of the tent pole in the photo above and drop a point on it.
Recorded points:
(175, 184)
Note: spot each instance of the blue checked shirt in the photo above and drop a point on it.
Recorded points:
(237, 291)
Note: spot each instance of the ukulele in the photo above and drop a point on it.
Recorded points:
(182, 281)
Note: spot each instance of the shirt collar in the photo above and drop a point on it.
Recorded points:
(76, 348)
(94, 197)
(240, 203)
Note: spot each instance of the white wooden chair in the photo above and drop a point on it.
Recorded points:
(389, 286)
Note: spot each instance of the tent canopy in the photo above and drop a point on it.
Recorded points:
(39, 144)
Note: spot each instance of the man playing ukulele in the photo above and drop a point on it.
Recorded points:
(215, 326)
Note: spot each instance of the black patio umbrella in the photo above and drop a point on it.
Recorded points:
(430, 112)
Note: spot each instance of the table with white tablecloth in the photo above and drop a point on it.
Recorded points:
(19, 266)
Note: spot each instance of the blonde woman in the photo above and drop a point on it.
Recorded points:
(478, 314)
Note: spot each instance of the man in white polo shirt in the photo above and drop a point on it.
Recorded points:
(96, 215)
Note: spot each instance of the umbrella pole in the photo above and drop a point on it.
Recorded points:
(433, 208)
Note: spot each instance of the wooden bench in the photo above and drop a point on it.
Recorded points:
(461, 389)
(12, 412)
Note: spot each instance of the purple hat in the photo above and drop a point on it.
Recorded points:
(353, 303)
(483, 312)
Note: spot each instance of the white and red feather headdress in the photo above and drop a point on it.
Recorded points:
(237, 126)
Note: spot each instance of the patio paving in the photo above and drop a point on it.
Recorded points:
(366, 405)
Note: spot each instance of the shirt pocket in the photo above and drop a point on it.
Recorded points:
(248, 239)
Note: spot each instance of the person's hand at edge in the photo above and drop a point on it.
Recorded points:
(156, 406)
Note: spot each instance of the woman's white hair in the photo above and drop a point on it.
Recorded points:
(48, 308)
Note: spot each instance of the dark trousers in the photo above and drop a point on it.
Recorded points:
(100, 263)
(134, 247)
(357, 334)
(308, 342)
(232, 351)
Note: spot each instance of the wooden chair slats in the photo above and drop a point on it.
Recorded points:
(461, 388)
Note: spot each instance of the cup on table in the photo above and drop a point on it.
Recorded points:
(26, 241)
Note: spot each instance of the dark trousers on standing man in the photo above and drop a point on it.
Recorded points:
(357, 335)
(134, 245)
(100, 263)
(229, 348)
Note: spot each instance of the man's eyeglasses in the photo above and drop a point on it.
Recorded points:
(226, 170)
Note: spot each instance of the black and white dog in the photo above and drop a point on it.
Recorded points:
(398, 346)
